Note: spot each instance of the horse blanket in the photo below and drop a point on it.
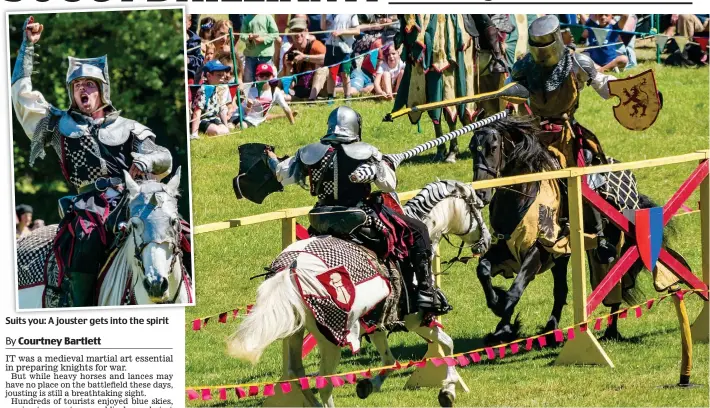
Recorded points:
(339, 282)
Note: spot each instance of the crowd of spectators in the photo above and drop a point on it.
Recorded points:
(315, 56)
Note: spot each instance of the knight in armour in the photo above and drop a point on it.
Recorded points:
(555, 74)
(95, 145)
(350, 210)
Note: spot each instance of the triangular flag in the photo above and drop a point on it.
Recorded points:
(304, 383)
(450, 361)
(601, 34)
(321, 382)
(638, 311)
(501, 351)
(196, 324)
(489, 353)
(542, 341)
(559, 336)
(624, 313)
(286, 83)
(334, 71)
(223, 317)
(514, 348)
(337, 381)
(192, 395)
(269, 390)
(626, 38)
(462, 360)
(285, 387)
(570, 333)
(253, 390)
(576, 32)
(436, 361)
(206, 394)
(249, 307)
(222, 394)
(681, 41)
(661, 41)
(240, 392)
(351, 378)
(373, 57)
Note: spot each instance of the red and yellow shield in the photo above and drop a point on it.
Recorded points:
(639, 100)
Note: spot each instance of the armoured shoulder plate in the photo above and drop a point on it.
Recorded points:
(583, 66)
(361, 151)
(118, 132)
(312, 153)
(68, 126)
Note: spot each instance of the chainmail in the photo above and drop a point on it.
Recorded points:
(539, 79)
(45, 132)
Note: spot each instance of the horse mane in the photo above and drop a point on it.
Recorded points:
(528, 155)
(432, 194)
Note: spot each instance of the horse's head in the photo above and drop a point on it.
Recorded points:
(478, 236)
(491, 146)
(154, 225)
(487, 149)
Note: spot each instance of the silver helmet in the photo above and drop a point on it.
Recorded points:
(92, 68)
(344, 125)
(545, 41)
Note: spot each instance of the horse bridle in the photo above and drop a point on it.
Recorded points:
(478, 164)
(138, 255)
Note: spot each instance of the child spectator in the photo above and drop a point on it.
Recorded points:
(261, 98)
(259, 32)
(24, 217)
(389, 74)
(213, 99)
(220, 33)
(209, 52)
(606, 57)
(206, 26)
(338, 47)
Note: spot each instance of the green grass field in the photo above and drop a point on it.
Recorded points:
(650, 358)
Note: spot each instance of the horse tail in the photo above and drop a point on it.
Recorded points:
(278, 313)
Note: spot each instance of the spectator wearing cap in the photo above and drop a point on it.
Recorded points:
(213, 99)
(304, 57)
(24, 220)
(338, 47)
(261, 98)
(259, 32)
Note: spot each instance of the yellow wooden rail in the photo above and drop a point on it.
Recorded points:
(584, 348)
(504, 181)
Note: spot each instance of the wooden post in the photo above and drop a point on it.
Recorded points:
(584, 348)
(431, 376)
(700, 329)
(288, 231)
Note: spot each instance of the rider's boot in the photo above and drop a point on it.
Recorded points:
(429, 298)
(498, 64)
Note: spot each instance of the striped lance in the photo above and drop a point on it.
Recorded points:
(367, 173)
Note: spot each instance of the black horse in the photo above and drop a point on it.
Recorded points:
(511, 147)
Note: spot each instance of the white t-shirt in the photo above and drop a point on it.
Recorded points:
(341, 22)
(262, 104)
(394, 72)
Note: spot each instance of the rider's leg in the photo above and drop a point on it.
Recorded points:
(429, 298)
(82, 250)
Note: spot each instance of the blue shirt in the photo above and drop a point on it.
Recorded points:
(602, 55)
(702, 17)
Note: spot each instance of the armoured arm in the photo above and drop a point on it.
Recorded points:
(30, 106)
(285, 171)
(148, 156)
(386, 179)
(587, 74)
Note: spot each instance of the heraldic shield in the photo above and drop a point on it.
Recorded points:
(640, 100)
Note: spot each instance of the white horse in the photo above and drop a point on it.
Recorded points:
(146, 268)
(281, 311)
(451, 207)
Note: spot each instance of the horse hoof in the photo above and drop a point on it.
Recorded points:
(364, 388)
(446, 399)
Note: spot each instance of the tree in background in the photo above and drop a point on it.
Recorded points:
(147, 70)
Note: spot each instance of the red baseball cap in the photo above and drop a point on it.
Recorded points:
(264, 68)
